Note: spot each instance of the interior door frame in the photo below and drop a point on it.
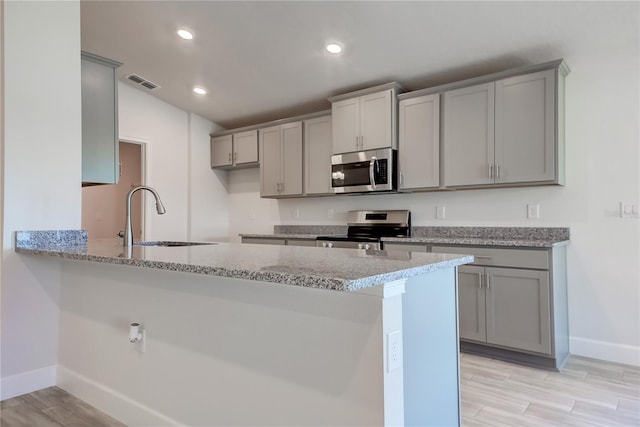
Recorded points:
(144, 177)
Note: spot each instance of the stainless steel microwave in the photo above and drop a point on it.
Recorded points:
(364, 171)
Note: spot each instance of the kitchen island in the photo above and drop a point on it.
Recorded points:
(257, 335)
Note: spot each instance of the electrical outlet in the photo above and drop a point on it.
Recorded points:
(394, 351)
(629, 210)
(533, 211)
(329, 213)
(296, 213)
(441, 212)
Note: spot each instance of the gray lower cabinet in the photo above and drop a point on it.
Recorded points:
(100, 139)
(512, 303)
(505, 306)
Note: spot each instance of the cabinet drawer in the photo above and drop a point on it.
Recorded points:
(263, 241)
(517, 258)
(407, 247)
(301, 242)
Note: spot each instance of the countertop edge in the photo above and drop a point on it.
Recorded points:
(286, 278)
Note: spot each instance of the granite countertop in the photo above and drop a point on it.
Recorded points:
(335, 269)
(523, 237)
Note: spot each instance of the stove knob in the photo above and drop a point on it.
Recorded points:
(329, 245)
(360, 245)
(367, 246)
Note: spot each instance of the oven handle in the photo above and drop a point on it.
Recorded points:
(372, 176)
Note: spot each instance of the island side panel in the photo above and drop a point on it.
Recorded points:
(219, 351)
(431, 357)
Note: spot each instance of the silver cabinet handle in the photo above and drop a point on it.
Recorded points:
(482, 256)
(357, 142)
(490, 171)
(282, 187)
(401, 178)
(488, 281)
(480, 280)
(235, 157)
(498, 171)
(229, 156)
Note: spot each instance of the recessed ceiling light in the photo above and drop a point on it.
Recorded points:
(187, 35)
(334, 48)
(199, 90)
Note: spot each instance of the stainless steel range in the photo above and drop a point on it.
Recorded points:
(366, 228)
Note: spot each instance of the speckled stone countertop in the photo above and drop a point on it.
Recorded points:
(529, 237)
(334, 269)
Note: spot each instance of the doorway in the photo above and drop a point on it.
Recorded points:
(103, 206)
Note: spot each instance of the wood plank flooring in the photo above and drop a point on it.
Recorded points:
(586, 393)
(52, 407)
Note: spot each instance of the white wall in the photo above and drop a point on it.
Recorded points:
(602, 152)
(208, 212)
(177, 154)
(42, 175)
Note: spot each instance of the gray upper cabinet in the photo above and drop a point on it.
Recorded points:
(419, 142)
(468, 135)
(281, 165)
(317, 156)
(236, 151)
(525, 128)
(365, 120)
(100, 154)
(506, 132)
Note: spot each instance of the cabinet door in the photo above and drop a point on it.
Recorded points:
(375, 120)
(317, 156)
(346, 125)
(221, 151)
(518, 309)
(419, 145)
(525, 128)
(471, 303)
(468, 135)
(245, 147)
(270, 166)
(291, 146)
(100, 145)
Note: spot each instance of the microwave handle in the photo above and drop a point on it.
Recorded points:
(372, 175)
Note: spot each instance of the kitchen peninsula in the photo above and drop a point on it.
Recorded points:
(256, 334)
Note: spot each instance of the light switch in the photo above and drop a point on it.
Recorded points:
(533, 211)
(629, 210)
(441, 212)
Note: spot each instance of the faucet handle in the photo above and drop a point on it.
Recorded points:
(120, 234)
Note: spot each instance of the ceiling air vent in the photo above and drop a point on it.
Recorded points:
(142, 81)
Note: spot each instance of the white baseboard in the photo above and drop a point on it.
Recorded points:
(111, 402)
(27, 382)
(619, 353)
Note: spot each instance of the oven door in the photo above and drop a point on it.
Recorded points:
(364, 171)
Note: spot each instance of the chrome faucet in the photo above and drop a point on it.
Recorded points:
(128, 234)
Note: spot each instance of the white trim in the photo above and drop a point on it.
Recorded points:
(144, 176)
(111, 402)
(27, 382)
(612, 352)
(386, 290)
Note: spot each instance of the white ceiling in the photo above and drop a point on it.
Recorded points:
(263, 60)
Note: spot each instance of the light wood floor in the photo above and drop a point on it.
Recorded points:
(586, 393)
(52, 407)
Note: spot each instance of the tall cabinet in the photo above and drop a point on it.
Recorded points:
(419, 142)
(100, 153)
(281, 160)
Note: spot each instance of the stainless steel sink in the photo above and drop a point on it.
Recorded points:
(169, 244)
